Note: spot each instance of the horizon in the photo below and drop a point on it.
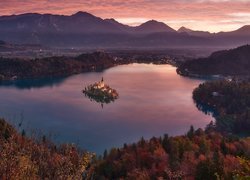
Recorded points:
(201, 15)
(131, 25)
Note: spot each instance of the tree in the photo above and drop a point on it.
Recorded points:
(142, 142)
(223, 147)
(105, 154)
(218, 163)
(190, 133)
(204, 147)
(165, 143)
(174, 154)
(205, 171)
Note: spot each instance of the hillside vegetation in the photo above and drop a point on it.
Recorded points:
(199, 154)
(230, 100)
(227, 62)
(204, 155)
(29, 158)
(11, 69)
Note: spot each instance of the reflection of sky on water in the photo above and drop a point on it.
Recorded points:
(153, 100)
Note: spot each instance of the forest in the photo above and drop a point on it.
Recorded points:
(20, 68)
(229, 101)
(199, 154)
(233, 62)
(35, 157)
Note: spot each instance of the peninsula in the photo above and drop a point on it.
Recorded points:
(13, 69)
(233, 62)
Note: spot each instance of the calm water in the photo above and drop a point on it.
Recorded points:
(153, 100)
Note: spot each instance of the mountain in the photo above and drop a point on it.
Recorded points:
(120, 26)
(153, 27)
(81, 22)
(234, 38)
(80, 29)
(85, 30)
(184, 30)
(226, 62)
(243, 31)
(194, 33)
(48, 23)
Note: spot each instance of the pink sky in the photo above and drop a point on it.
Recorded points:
(211, 15)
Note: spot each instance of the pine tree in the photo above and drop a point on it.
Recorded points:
(218, 163)
(105, 154)
(190, 133)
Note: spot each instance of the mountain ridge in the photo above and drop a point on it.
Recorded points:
(87, 14)
(83, 29)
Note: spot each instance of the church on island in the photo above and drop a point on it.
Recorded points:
(99, 85)
(101, 91)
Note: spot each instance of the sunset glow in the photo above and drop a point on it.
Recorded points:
(212, 15)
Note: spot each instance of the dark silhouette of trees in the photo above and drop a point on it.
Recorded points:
(190, 133)
(229, 102)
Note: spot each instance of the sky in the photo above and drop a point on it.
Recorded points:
(208, 15)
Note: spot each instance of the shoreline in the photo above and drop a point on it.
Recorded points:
(53, 67)
(227, 77)
(59, 67)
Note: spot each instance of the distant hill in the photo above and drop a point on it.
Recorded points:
(227, 62)
(85, 30)
(148, 27)
(39, 23)
(194, 33)
(243, 31)
(184, 29)
(120, 26)
(153, 27)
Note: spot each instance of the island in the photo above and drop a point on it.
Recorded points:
(101, 92)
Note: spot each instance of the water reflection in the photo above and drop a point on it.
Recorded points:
(33, 83)
(99, 99)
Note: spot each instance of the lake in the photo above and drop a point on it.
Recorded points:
(153, 100)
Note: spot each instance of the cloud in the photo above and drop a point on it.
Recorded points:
(197, 14)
